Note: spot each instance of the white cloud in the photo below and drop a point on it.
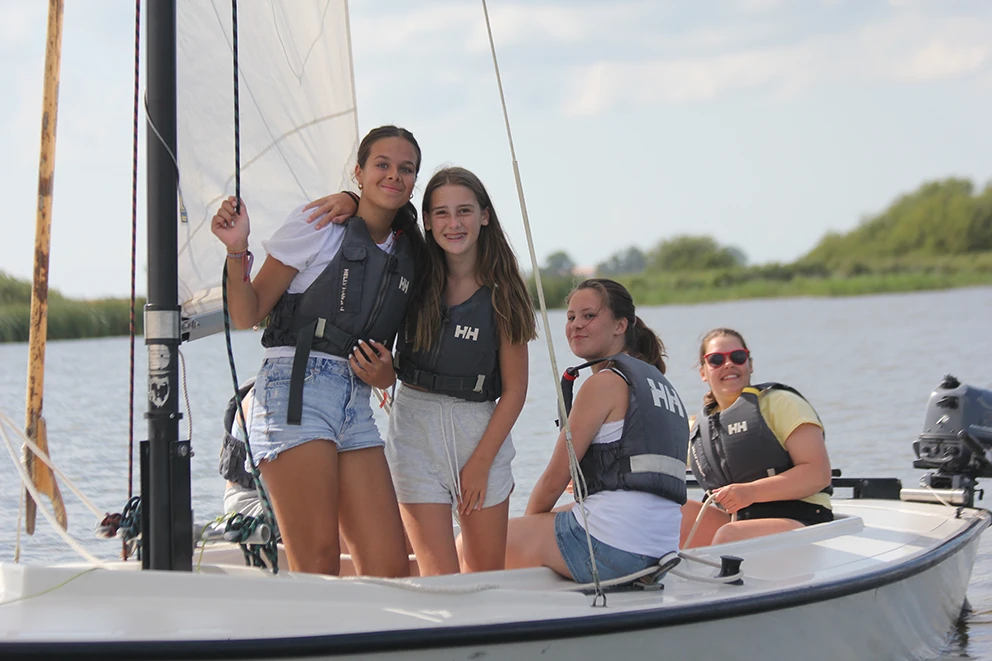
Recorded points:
(904, 48)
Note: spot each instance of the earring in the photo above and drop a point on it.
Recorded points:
(359, 185)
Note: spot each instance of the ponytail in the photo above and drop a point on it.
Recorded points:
(644, 343)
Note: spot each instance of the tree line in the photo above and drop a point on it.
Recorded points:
(936, 236)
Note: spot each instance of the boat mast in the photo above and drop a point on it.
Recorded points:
(167, 518)
(34, 425)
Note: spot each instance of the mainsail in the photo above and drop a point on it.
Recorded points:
(298, 126)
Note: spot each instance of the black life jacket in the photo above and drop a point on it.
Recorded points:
(361, 294)
(737, 445)
(651, 453)
(233, 452)
(464, 360)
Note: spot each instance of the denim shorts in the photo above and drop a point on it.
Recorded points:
(335, 408)
(611, 562)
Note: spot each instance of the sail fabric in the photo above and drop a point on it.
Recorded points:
(298, 125)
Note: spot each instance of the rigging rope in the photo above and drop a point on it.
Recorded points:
(28, 483)
(132, 330)
(578, 481)
(270, 547)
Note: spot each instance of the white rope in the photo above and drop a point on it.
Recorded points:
(29, 485)
(182, 380)
(20, 523)
(45, 459)
(578, 482)
(699, 518)
(937, 496)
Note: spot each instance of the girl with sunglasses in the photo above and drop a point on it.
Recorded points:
(758, 450)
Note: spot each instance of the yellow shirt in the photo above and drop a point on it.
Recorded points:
(784, 411)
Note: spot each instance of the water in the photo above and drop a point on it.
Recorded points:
(868, 365)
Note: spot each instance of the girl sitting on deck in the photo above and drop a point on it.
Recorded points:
(758, 449)
(630, 433)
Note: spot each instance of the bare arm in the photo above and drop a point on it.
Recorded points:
(809, 475)
(334, 208)
(249, 301)
(513, 368)
(602, 398)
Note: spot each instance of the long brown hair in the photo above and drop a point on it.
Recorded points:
(639, 340)
(496, 267)
(709, 401)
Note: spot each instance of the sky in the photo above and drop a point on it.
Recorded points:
(762, 123)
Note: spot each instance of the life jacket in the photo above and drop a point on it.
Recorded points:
(736, 445)
(232, 451)
(361, 295)
(650, 455)
(464, 361)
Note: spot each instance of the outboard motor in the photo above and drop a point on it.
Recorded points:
(956, 441)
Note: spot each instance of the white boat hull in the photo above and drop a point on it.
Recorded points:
(886, 581)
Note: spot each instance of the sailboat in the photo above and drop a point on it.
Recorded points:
(885, 580)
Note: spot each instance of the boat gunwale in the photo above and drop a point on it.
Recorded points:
(398, 640)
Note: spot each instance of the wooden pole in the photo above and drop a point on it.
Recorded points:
(42, 476)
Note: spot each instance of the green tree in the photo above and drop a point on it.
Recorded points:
(558, 263)
(631, 260)
(694, 253)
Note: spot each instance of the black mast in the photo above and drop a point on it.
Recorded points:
(165, 483)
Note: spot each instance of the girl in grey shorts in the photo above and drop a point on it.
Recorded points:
(463, 364)
(462, 358)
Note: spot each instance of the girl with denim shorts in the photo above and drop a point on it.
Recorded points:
(336, 300)
(630, 433)
(463, 364)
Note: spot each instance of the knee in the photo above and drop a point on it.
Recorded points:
(730, 533)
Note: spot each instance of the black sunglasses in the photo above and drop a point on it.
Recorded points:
(717, 358)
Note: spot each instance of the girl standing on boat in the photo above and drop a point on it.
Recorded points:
(758, 449)
(335, 300)
(630, 433)
(463, 363)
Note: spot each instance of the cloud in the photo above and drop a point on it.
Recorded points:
(902, 48)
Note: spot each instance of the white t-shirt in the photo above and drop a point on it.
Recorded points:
(298, 245)
(633, 521)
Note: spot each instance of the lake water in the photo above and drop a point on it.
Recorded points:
(868, 365)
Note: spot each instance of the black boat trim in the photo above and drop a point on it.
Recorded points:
(406, 640)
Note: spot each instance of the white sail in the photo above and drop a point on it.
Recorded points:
(298, 126)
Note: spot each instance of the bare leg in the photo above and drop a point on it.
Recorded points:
(370, 518)
(483, 538)
(432, 537)
(304, 488)
(712, 520)
(738, 530)
(530, 542)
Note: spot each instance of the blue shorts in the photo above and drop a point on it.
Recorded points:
(611, 562)
(335, 408)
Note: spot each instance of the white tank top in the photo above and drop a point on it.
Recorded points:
(632, 521)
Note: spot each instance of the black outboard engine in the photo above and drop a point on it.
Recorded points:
(956, 441)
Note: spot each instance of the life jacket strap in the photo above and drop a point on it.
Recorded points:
(440, 382)
(304, 341)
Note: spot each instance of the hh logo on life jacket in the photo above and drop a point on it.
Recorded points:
(467, 332)
(404, 284)
(737, 427)
(662, 394)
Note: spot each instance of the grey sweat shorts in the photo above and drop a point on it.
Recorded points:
(430, 438)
